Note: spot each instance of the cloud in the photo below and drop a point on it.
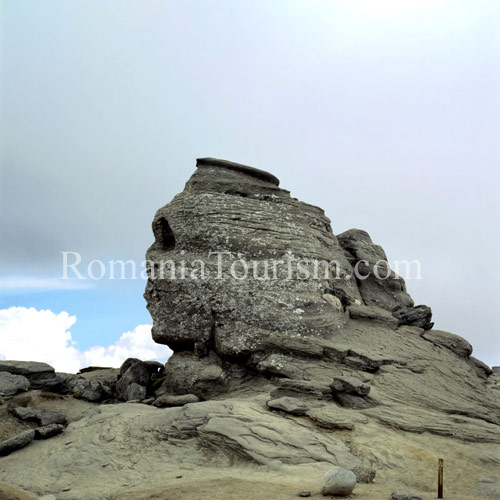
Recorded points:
(33, 335)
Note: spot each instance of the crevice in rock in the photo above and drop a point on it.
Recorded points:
(164, 234)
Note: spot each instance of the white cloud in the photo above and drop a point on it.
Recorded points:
(32, 335)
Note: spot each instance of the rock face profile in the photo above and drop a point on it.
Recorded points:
(333, 323)
(300, 366)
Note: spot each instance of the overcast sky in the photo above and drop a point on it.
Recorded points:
(385, 113)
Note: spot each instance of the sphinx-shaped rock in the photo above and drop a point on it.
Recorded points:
(229, 212)
(333, 338)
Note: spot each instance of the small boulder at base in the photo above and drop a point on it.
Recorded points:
(398, 495)
(338, 481)
(489, 491)
(42, 416)
(48, 431)
(16, 442)
(136, 392)
(90, 390)
(133, 371)
(11, 384)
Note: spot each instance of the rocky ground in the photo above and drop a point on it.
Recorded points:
(233, 446)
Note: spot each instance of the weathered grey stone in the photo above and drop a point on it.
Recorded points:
(186, 373)
(289, 405)
(42, 416)
(488, 490)
(48, 431)
(171, 400)
(16, 442)
(372, 314)
(86, 389)
(26, 368)
(242, 429)
(495, 370)
(450, 341)
(135, 392)
(338, 481)
(349, 385)
(304, 493)
(304, 388)
(333, 301)
(482, 368)
(419, 316)
(386, 293)
(133, 371)
(11, 384)
(398, 495)
(105, 376)
(41, 376)
(332, 418)
(364, 474)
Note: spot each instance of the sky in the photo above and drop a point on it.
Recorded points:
(384, 113)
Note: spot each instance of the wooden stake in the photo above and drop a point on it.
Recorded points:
(440, 478)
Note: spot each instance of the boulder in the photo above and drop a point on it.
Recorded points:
(488, 490)
(398, 495)
(41, 416)
(41, 376)
(105, 376)
(11, 384)
(16, 442)
(48, 431)
(186, 373)
(90, 390)
(339, 482)
(135, 371)
(172, 400)
(419, 316)
(135, 392)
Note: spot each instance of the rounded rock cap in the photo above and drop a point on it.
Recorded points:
(245, 169)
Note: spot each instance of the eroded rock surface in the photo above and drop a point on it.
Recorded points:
(351, 338)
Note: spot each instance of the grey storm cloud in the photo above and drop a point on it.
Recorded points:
(387, 118)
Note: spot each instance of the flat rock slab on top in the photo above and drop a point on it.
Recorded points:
(238, 167)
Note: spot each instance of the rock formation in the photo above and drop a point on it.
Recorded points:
(325, 366)
(351, 338)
